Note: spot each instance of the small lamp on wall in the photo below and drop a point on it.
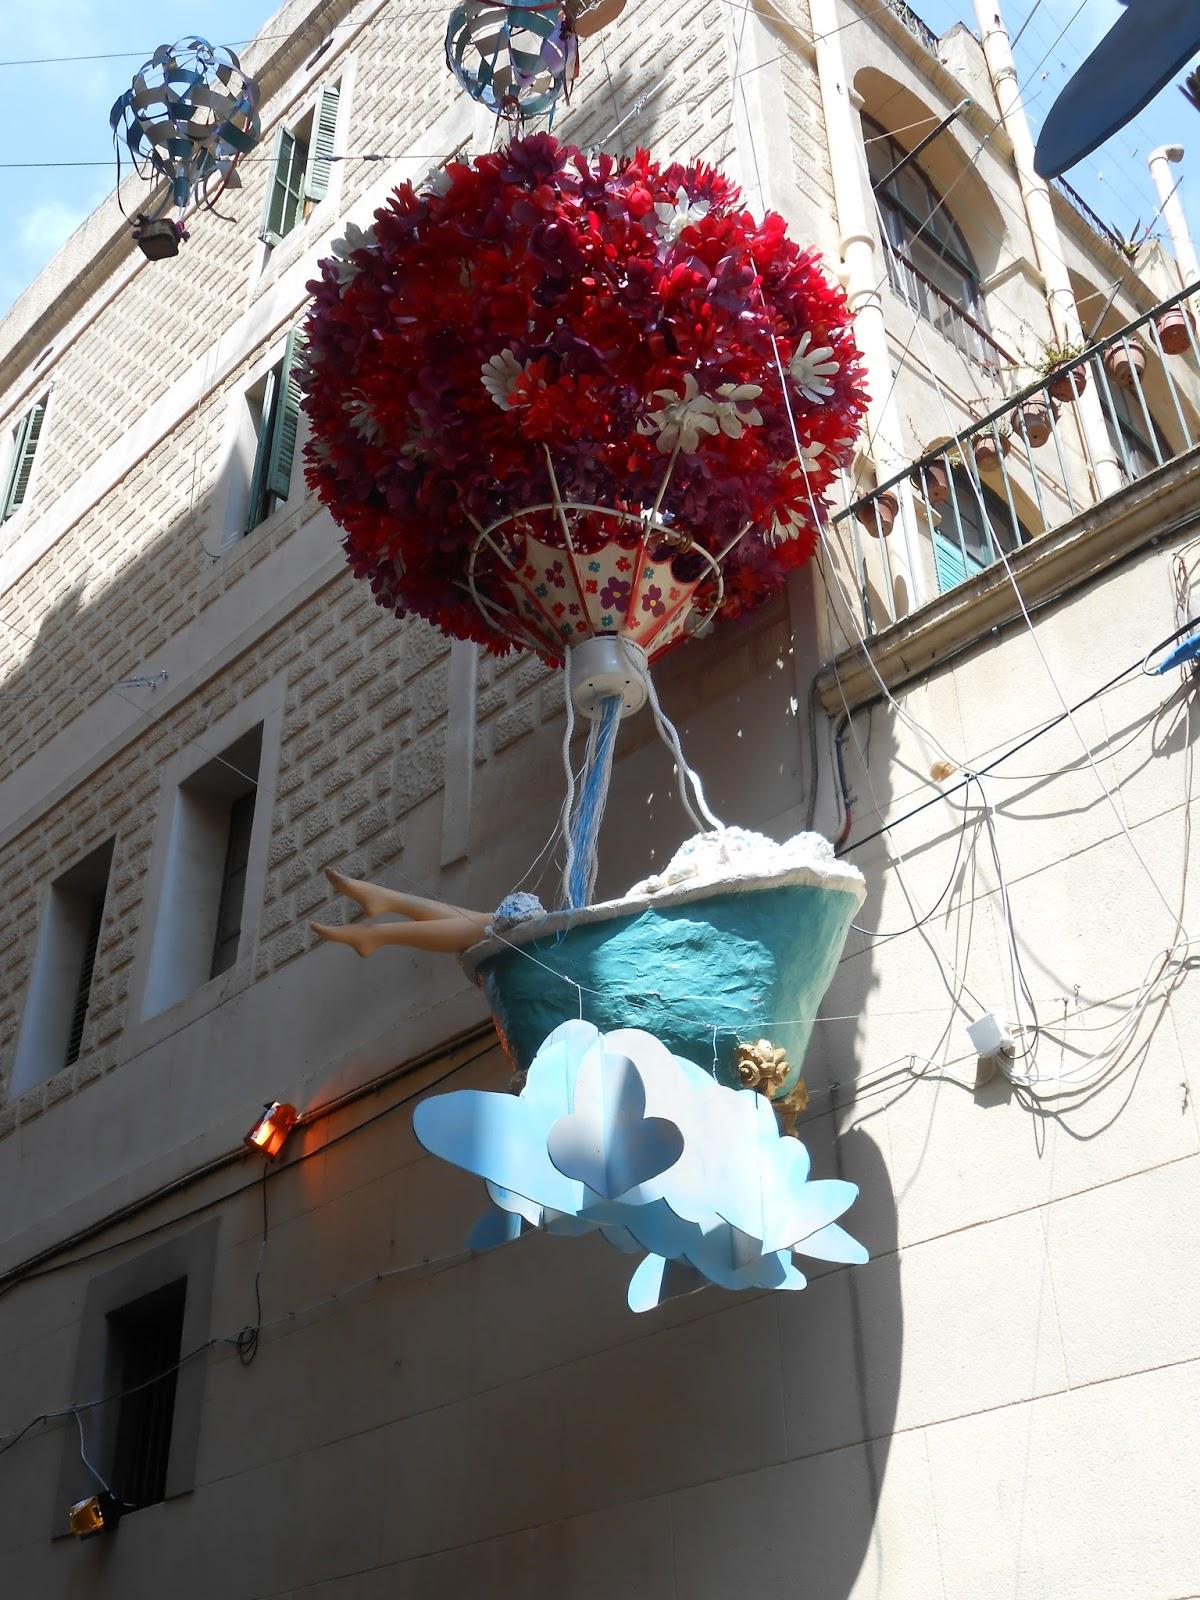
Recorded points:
(269, 1133)
(99, 1513)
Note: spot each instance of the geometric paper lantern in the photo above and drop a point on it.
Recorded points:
(613, 1133)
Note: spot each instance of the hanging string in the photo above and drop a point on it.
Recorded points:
(589, 813)
(684, 775)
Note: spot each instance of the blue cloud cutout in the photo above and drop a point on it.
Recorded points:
(614, 1132)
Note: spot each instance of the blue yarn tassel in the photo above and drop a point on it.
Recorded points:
(589, 808)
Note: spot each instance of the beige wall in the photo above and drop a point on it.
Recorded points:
(1002, 1403)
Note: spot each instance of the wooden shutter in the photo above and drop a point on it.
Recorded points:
(948, 560)
(276, 221)
(286, 421)
(25, 444)
(320, 150)
(255, 506)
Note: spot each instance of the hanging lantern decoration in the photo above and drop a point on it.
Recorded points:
(187, 118)
(517, 60)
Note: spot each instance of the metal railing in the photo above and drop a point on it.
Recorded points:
(919, 30)
(965, 332)
(1030, 465)
(1088, 215)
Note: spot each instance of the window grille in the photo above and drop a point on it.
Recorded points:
(83, 993)
(146, 1338)
(233, 884)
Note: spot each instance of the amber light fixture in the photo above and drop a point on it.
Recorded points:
(269, 1133)
(99, 1513)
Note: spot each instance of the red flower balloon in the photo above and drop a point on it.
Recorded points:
(540, 357)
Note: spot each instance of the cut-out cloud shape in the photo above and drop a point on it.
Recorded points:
(612, 1132)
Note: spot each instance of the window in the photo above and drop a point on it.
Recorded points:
(199, 930)
(233, 884)
(1126, 418)
(140, 1320)
(929, 264)
(300, 166)
(146, 1338)
(275, 415)
(20, 467)
(60, 984)
(984, 531)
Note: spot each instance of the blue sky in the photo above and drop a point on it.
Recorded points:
(59, 112)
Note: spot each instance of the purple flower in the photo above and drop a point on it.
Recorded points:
(615, 595)
(652, 601)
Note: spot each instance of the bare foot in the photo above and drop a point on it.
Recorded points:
(374, 900)
(362, 940)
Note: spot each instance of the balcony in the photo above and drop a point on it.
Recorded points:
(1026, 491)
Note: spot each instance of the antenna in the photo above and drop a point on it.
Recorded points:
(1148, 44)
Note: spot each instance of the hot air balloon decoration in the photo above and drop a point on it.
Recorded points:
(579, 407)
(189, 115)
(520, 59)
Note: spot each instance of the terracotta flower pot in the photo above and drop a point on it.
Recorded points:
(1172, 328)
(1032, 418)
(987, 448)
(1067, 384)
(933, 481)
(879, 514)
(1125, 363)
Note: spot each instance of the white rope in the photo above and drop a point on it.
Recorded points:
(568, 805)
(683, 773)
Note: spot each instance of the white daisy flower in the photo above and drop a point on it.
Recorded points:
(812, 369)
(735, 411)
(440, 183)
(356, 238)
(500, 375)
(681, 421)
(362, 419)
(673, 219)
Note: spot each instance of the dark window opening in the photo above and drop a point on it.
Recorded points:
(146, 1341)
(233, 884)
(84, 991)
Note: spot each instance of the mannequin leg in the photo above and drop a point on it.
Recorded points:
(450, 935)
(376, 900)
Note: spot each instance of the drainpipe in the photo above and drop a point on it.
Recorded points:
(1171, 208)
(1047, 243)
(863, 273)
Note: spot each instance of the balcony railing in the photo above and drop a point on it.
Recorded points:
(1030, 465)
(965, 332)
(919, 30)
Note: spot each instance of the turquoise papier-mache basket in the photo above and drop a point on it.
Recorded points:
(699, 967)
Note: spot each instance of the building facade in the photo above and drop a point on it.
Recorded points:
(202, 711)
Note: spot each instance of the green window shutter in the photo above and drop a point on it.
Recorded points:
(286, 421)
(25, 444)
(320, 151)
(948, 561)
(256, 507)
(283, 191)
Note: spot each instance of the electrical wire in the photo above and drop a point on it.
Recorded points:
(17, 1275)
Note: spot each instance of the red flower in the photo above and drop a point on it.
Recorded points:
(558, 275)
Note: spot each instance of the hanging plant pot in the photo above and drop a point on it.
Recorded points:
(1125, 363)
(1031, 420)
(1066, 384)
(933, 481)
(879, 515)
(1173, 328)
(988, 448)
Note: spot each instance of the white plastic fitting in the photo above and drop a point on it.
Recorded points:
(606, 665)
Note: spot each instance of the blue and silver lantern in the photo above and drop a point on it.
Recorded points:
(188, 116)
(515, 59)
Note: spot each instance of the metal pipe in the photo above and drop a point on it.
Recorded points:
(1159, 161)
(925, 142)
(1043, 227)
